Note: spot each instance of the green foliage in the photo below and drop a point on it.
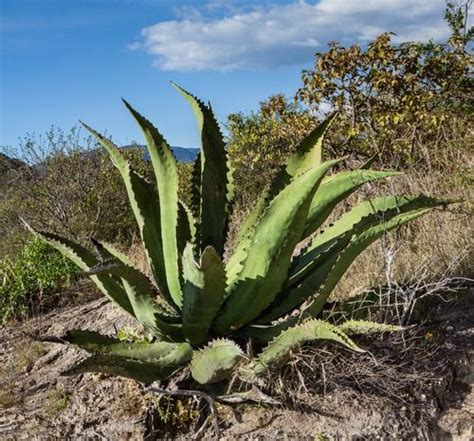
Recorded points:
(140, 360)
(256, 292)
(260, 142)
(129, 335)
(395, 99)
(176, 415)
(32, 281)
(408, 104)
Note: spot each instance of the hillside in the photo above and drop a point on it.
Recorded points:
(182, 154)
(7, 163)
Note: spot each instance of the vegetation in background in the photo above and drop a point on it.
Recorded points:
(31, 282)
(403, 102)
(263, 292)
(409, 103)
(67, 185)
(259, 143)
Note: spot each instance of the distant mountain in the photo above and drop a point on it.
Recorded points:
(183, 154)
(7, 163)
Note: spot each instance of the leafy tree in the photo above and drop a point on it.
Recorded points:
(408, 103)
(258, 143)
(395, 99)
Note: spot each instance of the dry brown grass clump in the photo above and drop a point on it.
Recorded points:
(436, 247)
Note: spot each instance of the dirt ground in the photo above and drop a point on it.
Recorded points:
(38, 402)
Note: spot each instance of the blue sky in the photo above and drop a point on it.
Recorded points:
(65, 60)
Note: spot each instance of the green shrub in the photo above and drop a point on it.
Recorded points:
(33, 281)
(263, 292)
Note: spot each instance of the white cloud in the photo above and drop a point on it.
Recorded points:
(284, 34)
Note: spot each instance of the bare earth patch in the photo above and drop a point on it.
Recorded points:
(425, 393)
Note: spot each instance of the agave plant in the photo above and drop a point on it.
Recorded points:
(199, 308)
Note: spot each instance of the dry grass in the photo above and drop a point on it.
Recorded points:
(23, 360)
(9, 398)
(131, 402)
(57, 400)
(436, 246)
(406, 368)
(137, 255)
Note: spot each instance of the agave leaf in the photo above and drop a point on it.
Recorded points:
(112, 254)
(138, 370)
(307, 155)
(377, 210)
(359, 243)
(96, 343)
(213, 182)
(204, 290)
(139, 290)
(166, 173)
(109, 252)
(142, 297)
(268, 257)
(290, 298)
(216, 362)
(186, 226)
(146, 209)
(359, 218)
(351, 327)
(264, 333)
(145, 362)
(85, 260)
(335, 189)
(311, 270)
(287, 341)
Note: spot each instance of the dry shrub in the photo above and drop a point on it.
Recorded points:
(415, 368)
(68, 185)
(436, 246)
(137, 255)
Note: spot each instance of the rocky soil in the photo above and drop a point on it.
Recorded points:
(38, 402)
